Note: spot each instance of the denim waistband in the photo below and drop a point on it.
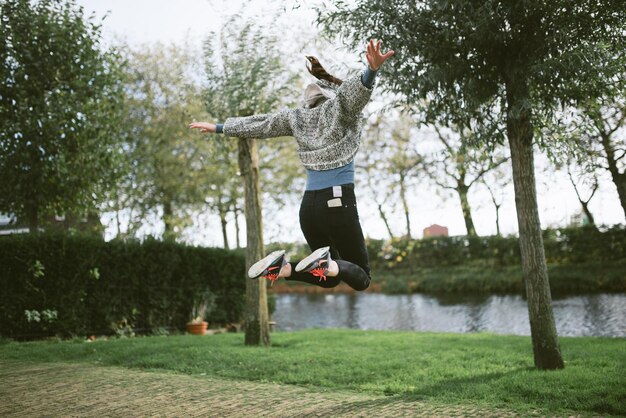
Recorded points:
(346, 190)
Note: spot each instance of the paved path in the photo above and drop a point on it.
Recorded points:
(70, 390)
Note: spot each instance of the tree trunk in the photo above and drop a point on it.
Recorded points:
(31, 208)
(32, 217)
(497, 206)
(118, 224)
(584, 203)
(222, 212)
(618, 178)
(587, 212)
(405, 206)
(236, 212)
(256, 319)
(462, 190)
(224, 234)
(168, 213)
(381, 212)
(547, 353)
(498, 220)
(383, 216)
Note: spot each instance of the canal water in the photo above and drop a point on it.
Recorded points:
(588, 315)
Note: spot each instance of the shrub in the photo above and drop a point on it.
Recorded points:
(55, 284)
(562, 246)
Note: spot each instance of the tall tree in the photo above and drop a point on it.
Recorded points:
(579, 180)
(168, 163)
(602, 123)
(372, 165)
(389, 161)
(404, 161)
(495, 182)
(458, 166)
(225, 189)
(517, 59)
(245, 77)
(59, 113)
(281, 171)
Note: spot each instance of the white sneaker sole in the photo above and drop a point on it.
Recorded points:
(306, 262)
(260, 266)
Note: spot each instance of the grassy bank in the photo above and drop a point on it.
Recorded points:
(485, 279)
(564, 279)
(476, 369)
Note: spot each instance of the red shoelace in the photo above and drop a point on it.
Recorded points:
(319, 271)
(272, 277)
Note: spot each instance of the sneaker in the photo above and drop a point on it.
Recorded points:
(269, 266)
(317, 263)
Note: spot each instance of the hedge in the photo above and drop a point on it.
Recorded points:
(66, 285)
(580, 260)
(565, 246)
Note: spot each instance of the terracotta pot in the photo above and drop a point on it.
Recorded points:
(197, 329)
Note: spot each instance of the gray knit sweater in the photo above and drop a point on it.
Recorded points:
(328, 135)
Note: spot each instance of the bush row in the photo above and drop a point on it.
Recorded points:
(564, 246)
(564, 279)
(66, 285)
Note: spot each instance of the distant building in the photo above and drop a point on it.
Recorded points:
(579, 219)
(435, 231)
(9, 224)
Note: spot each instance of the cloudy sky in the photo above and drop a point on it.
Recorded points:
(139, 22)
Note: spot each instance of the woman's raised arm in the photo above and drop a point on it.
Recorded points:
(374, 56)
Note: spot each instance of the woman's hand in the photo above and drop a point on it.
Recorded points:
(203, 126)
(375, 58)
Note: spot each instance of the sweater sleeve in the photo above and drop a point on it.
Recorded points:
(352, 96)
(368, 76)
(259, 126)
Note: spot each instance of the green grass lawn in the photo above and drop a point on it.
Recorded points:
(485, 370)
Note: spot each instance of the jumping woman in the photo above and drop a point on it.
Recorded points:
(327, 129)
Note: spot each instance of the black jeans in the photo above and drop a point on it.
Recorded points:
(339, 228)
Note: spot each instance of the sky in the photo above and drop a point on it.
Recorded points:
(140, 22)
(172, 21)
(146, 21)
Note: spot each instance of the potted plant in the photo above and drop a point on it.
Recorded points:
(203, 304)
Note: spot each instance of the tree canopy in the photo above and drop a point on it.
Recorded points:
(459, 55)
(59, 96)
(166, 163)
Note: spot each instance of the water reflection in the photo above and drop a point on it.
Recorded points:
(589, 315)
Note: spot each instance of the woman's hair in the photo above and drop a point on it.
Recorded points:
(319, 72)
